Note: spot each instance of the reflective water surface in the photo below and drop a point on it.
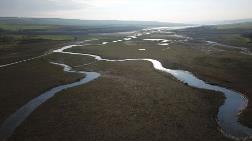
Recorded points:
(14, 120)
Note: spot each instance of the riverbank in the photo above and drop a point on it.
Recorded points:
(234, 70)
(132, 102)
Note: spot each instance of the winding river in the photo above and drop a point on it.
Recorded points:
(227, 117)
(228, 113)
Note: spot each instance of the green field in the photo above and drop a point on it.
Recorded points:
(17, 27)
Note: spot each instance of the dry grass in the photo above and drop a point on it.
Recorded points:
(131, 101)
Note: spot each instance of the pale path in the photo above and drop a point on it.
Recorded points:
(37, 57)
(22, 61)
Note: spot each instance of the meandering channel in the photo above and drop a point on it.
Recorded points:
(14, 120)
(228, 113)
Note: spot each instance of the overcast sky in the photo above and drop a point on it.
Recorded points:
(157, 10)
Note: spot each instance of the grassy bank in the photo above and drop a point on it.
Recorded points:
(131, 101)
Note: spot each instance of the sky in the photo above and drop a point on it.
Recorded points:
(183, 11)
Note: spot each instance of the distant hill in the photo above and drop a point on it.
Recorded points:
(35, 26)
(86, 23)
(227, 22)
(239, 25)
(236, 21)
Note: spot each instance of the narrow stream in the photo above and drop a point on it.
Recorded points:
(242, 49)
(14, 120)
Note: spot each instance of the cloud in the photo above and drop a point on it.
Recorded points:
(33, 7)
(160, 10)
(106, 3)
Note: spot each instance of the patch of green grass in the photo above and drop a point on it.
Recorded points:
(16, 50)
(42, 37)
(14, 40)
(232, 39)
(16, 27)
(53, 37)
